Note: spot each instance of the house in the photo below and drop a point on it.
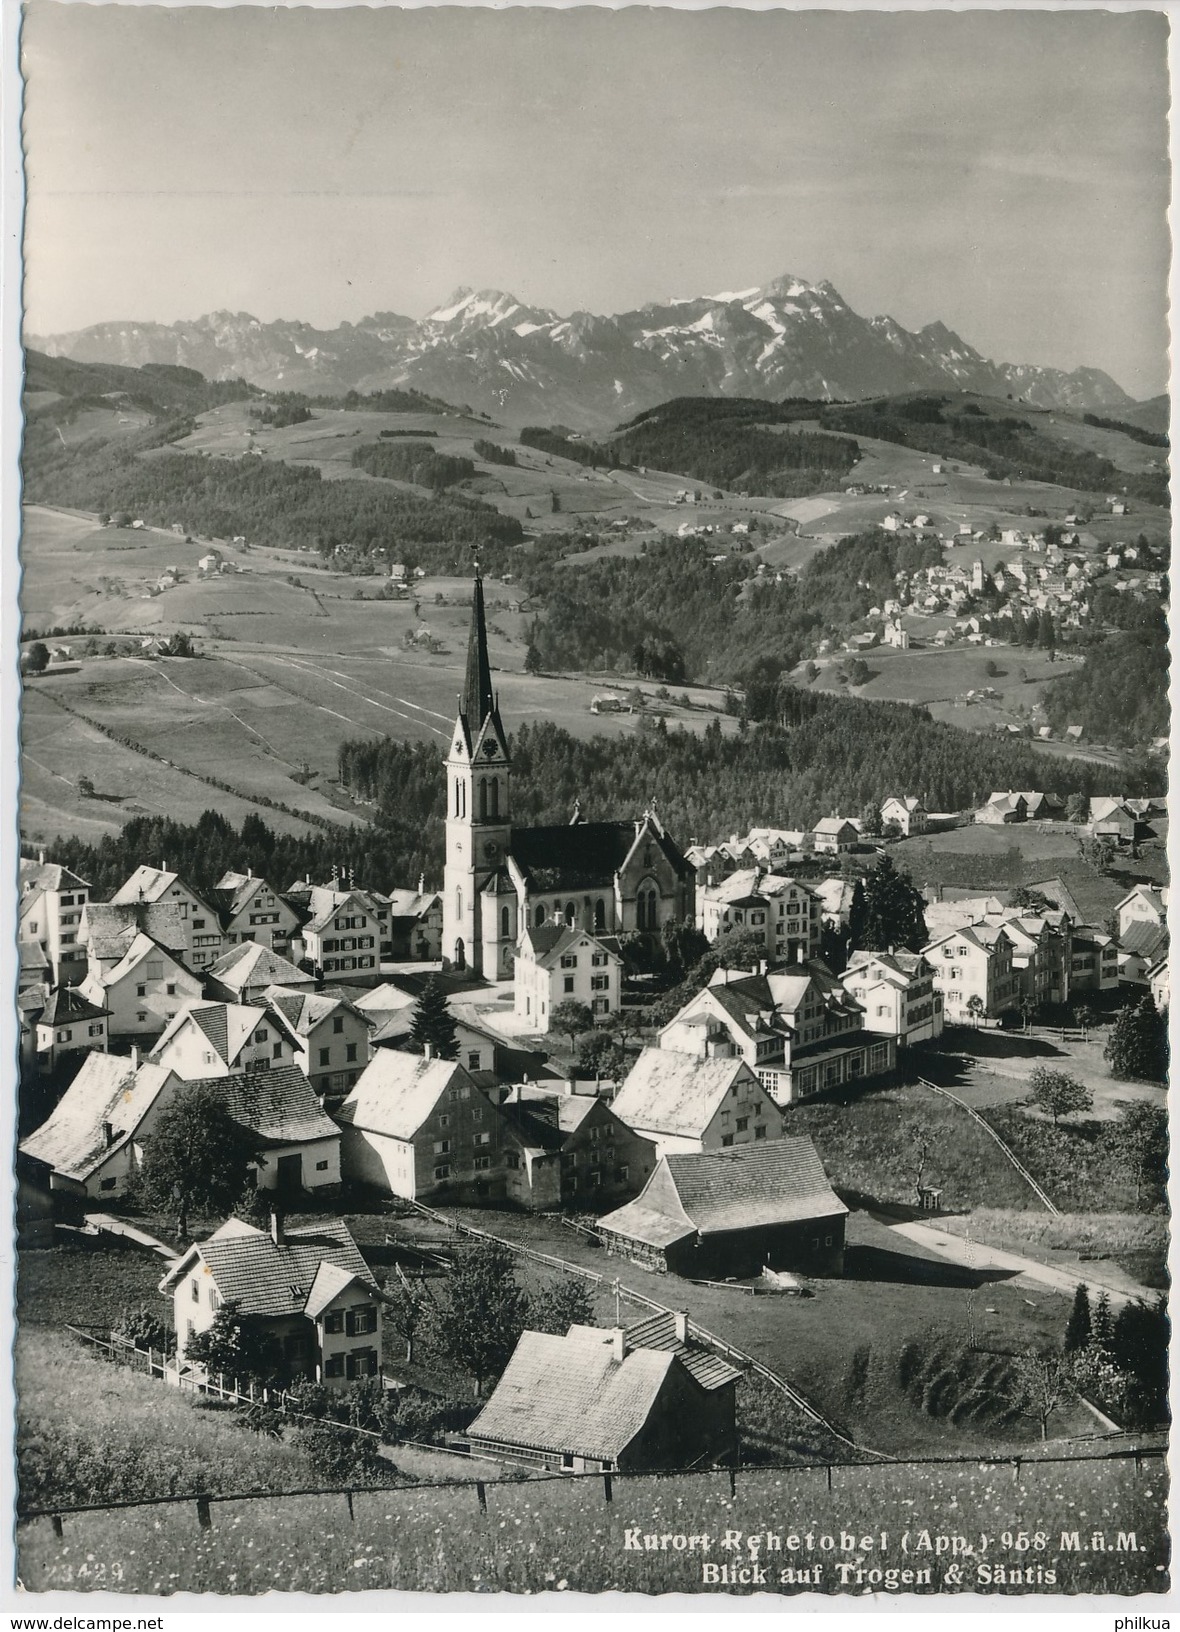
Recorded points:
(250, 909)
(556, 964)
(1003, 808)
(798, 1029)
(93, 1141)
(896, 992)
(1041, 953)
(1146, 904)
(1094, 960)
(415, 924)
(144, 991)
(419, 1127)
(785, 912)
(835, 901)
(158, 884)
(296, 1147)
(106, 931)
(595, 1400)
(308, 1288)
(68, 1024)
(50, 913)
(907, 811)
(212, 1039)
(1158, 979)
(734, 1213)
(685, 1101)
(572, 1151)
(243, 973)
(1112, 818)
(834, 835)
(330, 1036)
(1140, 947)
(343, 930)
(973, 970)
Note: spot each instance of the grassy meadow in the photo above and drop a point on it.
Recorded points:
(562, 1537)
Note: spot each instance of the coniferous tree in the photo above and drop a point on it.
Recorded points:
(1102, 1323)
(1077, 1332)
(1138, 1044)
(432, 1022)
(894, 911)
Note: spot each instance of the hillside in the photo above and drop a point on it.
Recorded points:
(521, 363)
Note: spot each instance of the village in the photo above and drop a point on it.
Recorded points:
(403, 1054)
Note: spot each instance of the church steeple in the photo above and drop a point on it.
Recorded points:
(478, 700)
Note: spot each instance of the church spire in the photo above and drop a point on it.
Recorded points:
(478, 701)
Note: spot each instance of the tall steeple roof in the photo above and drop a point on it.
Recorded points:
(478, 700)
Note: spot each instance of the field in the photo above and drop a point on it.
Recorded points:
(562, 1537)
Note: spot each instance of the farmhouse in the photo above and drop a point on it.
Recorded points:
(420, 1127)
(213, 1039)
(573, 1152)
(144, 991)
(734, 1213)
(50, 912)
(1003, 808)
(604, 877)
(596, 1399)
(296, 1147)
(243, 973)
(693, 1101)
(834, 835)
(93, 1141)
(330, 1036)
(556, 964)
(308, 1289)
(250, 909)
(907, 811)
(158, 884)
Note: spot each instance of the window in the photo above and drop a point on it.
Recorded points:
(153, 969)
(350, 1051)
(483, 1138)
(622, 1174)
(569, 961)
(760, 1133)
(334, 1364)
(141, 991)
(567, 984)
(195, 1287)
(198, 923)
(108, 1184)
(325, 1055)
(321, 1167)
(511, 1159)
(170, 989)
(742, 1123)
(726, 1140)
(600, 914)
(338, 1023)
(276, 1051)
(482, 1163)
(96, 1031)
(141, 1016)
(473, 1059)
(334, 1321)
(214, 1298)
(444, 1121)
(600, 983)
(505, 924)
(538, 917)
(65, 1036)
(443, 1172)
(260, 1035)
(567, 1459)
(442, 1147)
(361, 1320)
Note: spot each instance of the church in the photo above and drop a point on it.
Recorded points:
(611, 878)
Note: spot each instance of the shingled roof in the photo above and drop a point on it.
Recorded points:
(396, 1092)
(659, 1332)
(268, 1278)
(109, 927)
(66, 1006)
(586, 855)
(279, 1106)
(109, 1091)
(673, 1092)
(253, 965)
(571, 1394)
(48, 875)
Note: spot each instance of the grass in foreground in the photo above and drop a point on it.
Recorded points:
(562, 1536)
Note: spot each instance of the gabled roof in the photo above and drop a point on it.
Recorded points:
(109, 927)
(66, 1006)
(571, 1394)
(268, 1279)
(324, 910)
(833, 824)
(908, 801)
(48, 875)
(304, 1011)
(676, 1093)
(549, 942)
(1143, 939)
(659, 1332)
(253, 965)
(330, 1281)
(141, 948)
(586, 855)
(150, 884)
(1156, 898)
(412, 903)
(396, 1092)
(897, 969)
(108, 1089)
(278, 1106)
(234, 891)
(781, 1181)
(227, 1026)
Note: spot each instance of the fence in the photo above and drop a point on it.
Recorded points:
(698, 1333)
(204, 1502)
(992, 1134)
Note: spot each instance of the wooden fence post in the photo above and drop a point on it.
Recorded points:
(1016, 1471)
(55, 1521)
(481, 1492)
(204, 1517)
(732, 1482)
(348, 1498)
(829, 1476)
(608, 1487)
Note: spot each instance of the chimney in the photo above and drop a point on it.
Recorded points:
(680, 1321)
(763, 966)
(427, 1051)
(618, 1343)
(108, 1134)
(41, 857)
(421, 883)
(134, 1057)
(276, 1229)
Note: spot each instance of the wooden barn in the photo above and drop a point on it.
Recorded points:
(734, 1212)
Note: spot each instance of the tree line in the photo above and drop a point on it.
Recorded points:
(412, 462)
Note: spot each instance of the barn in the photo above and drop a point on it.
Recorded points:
(733, 1212)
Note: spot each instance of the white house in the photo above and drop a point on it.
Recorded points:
(834, 835)
(250, 909)
(214, 1039)
(974, 971)
(330, 1036)
(158, 884)
(144, 991)
(52, 899)
(93, 1141)
(68, 1024)
(556, 964)
(344, 931)
(907, 810)
(684, 1101)
(896, 992)
(784, 912)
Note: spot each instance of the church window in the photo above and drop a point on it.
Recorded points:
(458, 901)
(483, 798)
(539, 915)
(571, 914)
(647, 906)
(495, 798)
(504, 921)
(600, 914)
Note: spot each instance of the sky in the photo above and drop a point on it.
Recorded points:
(1002, 172)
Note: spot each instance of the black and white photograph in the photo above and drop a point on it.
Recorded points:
(588, 805)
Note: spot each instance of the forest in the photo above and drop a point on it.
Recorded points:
(724, 625)
(163, 389)
(567, 446)
(724, 442)
(412, 462)
(1137, 433)
(268, 502)
(1006, 446)
(1120, 693)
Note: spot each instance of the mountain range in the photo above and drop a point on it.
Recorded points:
(522, 364)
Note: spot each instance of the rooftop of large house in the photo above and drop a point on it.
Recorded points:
(99, 1112)
(297, 1275)
(278, 1106)
(228, 1027)
(396, 1092)
(48, 875)
(304, 1011)
(253, 965)
(65, 1006)
(111, 927)
(674, 1092)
